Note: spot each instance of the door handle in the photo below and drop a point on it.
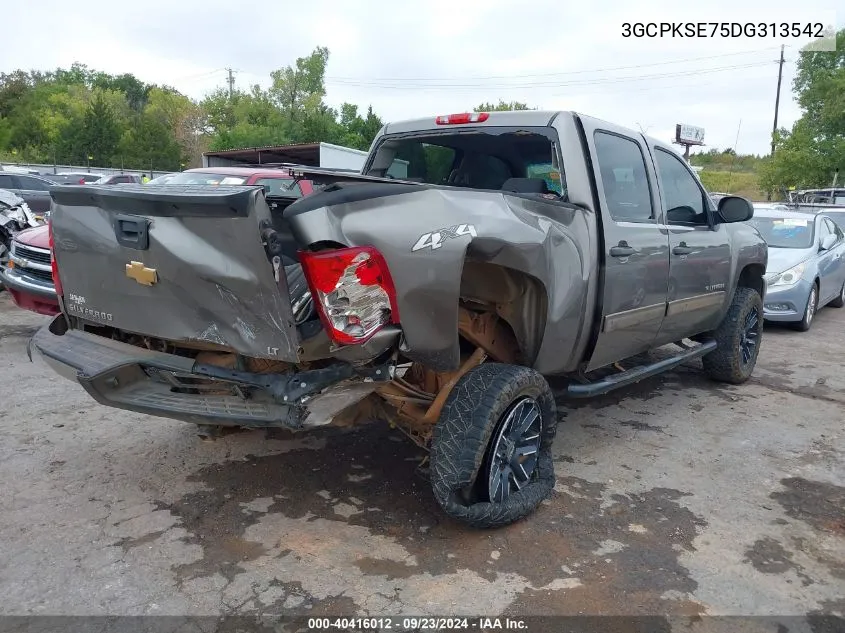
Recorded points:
(132, 231)
(623, 250)
(682, 250)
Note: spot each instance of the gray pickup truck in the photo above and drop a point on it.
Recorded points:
(474, 255)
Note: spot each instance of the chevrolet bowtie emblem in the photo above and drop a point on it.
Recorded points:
(140, 273)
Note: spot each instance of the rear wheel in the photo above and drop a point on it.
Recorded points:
(809, 311)
(491, 461)
(738, 339)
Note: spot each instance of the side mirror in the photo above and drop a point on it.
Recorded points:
(827, 242)
(735, 209)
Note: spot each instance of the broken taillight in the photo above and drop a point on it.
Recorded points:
(54, 268)
(353, 292)
(459, 119)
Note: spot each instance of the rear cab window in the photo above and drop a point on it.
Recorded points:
(518, 160)
(624, 178)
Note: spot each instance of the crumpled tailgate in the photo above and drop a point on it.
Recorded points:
(181, 263)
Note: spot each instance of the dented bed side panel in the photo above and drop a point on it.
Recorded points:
(203, 276)
(426, 235)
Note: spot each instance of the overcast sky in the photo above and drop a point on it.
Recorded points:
(412, 58)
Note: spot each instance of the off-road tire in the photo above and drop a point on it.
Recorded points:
(809, 316)
(839, 302)
(724, 364)
(462, 436)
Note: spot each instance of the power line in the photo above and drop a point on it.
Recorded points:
(198, 75)
(574, 72)
(549, 84)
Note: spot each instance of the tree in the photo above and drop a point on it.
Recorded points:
(297, 87)
(292, 110)
(100, 130)
(67, 114)
(811, 152)
(502, 106)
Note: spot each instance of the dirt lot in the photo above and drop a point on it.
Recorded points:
(675, 496)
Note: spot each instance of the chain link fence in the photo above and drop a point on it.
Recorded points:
(58, 169)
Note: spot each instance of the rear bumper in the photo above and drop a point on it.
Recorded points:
(127, 377)
(30, 294)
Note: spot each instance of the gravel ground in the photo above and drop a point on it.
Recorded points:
(676, 496)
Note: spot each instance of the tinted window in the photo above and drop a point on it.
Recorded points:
(483, 158)
(33, 184)
(278, 187)
(6, 182)
(785, 232)
(684, 198)
(624, 179)
(422, 161)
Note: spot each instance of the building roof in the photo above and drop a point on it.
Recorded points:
(299, 153)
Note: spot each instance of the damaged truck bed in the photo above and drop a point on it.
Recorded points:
(517, 245)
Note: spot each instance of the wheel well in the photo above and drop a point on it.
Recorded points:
(752, 277)
(519, 299)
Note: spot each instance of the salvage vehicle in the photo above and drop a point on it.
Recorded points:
(806, 269)
(27, 274)
(517, 245)
(15, 216)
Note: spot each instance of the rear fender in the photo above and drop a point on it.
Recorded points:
(426, 234)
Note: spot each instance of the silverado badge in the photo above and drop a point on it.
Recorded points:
(140, 273)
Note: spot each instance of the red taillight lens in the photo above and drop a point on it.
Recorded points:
(353, 292)
(54, 268)
(458, 119)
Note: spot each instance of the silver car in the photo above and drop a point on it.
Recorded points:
(806, 268)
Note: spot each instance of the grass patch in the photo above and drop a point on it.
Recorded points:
(745, 184)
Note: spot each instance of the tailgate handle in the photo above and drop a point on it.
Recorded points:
(132, 231)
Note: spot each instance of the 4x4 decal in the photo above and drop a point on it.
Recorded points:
(435, 239)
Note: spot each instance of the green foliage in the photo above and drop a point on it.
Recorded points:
(292, 110)
(740, 183)
(811, 152)
(502, 106)
(726, 160)
(66, 115)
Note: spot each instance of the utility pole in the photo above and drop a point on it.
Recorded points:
(777, 106)
(777, 98)
(231, 82)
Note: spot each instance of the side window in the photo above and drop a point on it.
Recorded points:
(7, 182)
(824, 229)
(684, 198)
(33, 184)
(833, 228)
(624, 178)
